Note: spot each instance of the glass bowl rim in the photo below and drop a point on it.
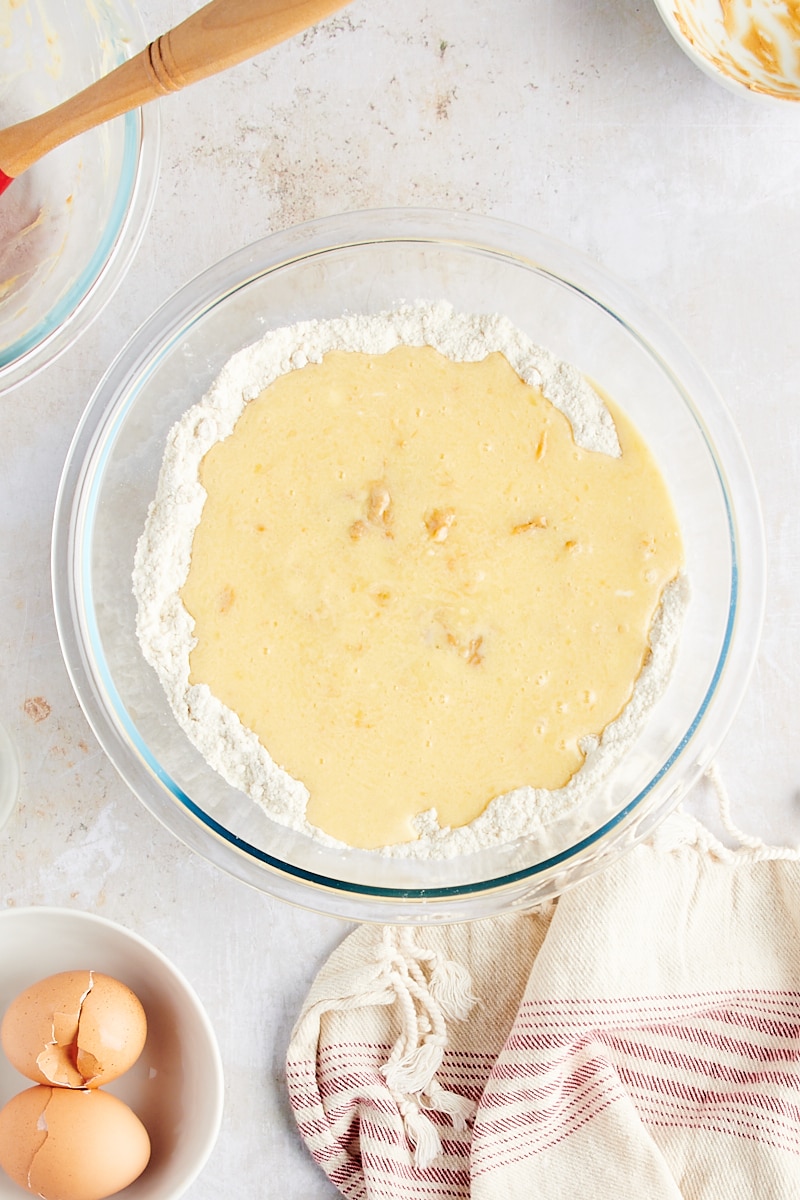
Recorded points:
(154, 339)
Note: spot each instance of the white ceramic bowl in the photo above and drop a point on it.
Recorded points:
(751, 48)
(366, 262)
(70, 225)
(176, 1086)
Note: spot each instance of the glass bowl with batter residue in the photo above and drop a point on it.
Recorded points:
(71, 223)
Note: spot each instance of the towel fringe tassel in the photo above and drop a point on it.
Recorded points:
(425, 990)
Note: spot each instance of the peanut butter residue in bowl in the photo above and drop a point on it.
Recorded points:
(416, 588)
(752, 42)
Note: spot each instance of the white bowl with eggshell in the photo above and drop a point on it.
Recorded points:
(751, 47)
(175, 1086)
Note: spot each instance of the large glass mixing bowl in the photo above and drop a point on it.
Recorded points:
(71, 223)
(366, 262)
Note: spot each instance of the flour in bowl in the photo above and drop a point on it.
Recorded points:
(417, 550)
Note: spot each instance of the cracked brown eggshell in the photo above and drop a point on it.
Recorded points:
(77, 1029)
(64, 1144)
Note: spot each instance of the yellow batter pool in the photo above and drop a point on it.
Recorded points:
(417, 590)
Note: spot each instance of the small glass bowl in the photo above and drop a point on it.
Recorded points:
(9, 776)
(71, 223)
(365, 262)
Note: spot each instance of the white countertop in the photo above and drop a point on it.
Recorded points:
(582, 120)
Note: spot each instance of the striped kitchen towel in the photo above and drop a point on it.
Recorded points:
(640, 1037)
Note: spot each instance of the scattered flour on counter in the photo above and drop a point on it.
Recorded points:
(165, 628)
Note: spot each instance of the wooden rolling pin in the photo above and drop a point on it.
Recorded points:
(220, 35)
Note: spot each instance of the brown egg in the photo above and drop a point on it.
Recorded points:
(77, 1029)
(63, 1144)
